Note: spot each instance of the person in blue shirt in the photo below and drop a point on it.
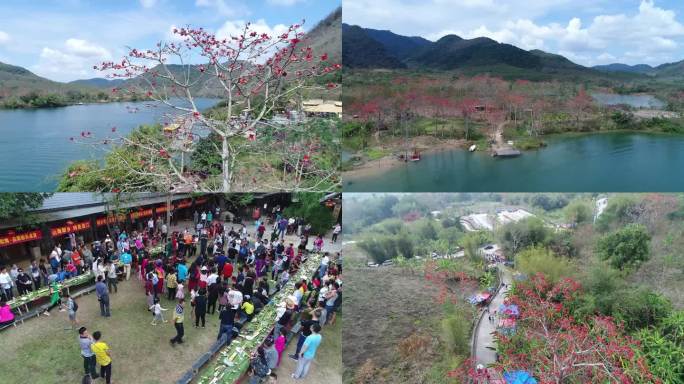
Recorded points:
(221, 260)
(127, 260)
(182, 272)
(308, 352)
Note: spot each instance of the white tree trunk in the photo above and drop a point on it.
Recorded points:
(225, 163)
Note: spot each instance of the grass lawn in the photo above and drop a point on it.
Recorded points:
(42, 351)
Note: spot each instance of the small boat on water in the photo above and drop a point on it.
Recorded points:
(472, 148)
(415, 156)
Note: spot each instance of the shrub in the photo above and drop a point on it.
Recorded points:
(625, 248)
(540, 260)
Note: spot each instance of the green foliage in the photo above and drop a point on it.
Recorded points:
(540, 260)
(389, 226)
(207, 155)
(607, 293)
(471, 241)
(426, 229)
(665, 358)
(362, 213)
(410, 203)
(623, 120)
(640, 308)
(16, 205)
(309, 207)
(123, 165)
(620, 210)
(456, 331)
(381, 247)
(665, 125)
(548, 202)
(578, 211)
(514, 237)
(561, 243)
(626, 248)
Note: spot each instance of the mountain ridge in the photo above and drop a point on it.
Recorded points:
(374, 49)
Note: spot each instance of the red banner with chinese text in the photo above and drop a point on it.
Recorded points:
(17, 238)
(69, 228)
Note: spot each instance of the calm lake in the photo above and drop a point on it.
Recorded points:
(636, 101)
(615, 162)
(35, 147)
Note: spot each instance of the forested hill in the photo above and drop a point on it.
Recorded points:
(381, 49)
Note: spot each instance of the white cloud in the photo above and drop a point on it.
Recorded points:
(75, 60)
(606, 58)
(228, 8)
(285, 3)
(4, 37)
(148, 3)
(83, 48)
(235, 27)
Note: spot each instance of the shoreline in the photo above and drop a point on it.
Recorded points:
(375, 167)
(425, 144)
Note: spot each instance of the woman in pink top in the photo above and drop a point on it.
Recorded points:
(6, 315)
(280, 343)
(318, 243)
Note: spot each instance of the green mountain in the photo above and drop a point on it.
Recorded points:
(395, 45)
(361, 51)
(670, 70)
(376, 49)
(326, 37)
(370, 48)
(98, 82)
(618, 67)
(18, 81)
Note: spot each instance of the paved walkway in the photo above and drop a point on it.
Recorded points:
(485, 353)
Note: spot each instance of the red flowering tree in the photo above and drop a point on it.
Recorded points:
(257, 75)
(467, 108)
(557, 348)
(580, 104)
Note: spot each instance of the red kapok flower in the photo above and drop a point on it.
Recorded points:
(324, 57)
(331, 85)
(196, 114)
(113, 129)
(116, 190)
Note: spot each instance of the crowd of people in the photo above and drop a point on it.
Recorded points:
(215, 268)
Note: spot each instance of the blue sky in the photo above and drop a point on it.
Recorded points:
(588, 32)
(63, 39)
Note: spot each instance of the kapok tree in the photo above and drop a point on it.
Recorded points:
(557, 348)
(254, 72)
(580, 104)
(467, 108)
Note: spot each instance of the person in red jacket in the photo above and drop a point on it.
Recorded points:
(227, 272)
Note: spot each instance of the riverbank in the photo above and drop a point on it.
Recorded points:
(386, 156)
(428, 144)
(62, 104)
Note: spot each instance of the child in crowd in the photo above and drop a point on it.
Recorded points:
(157, 309)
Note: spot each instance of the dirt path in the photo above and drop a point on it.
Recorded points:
(485, 349)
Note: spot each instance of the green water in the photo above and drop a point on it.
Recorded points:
(607, 162)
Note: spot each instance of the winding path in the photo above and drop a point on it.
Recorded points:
(484, 349)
